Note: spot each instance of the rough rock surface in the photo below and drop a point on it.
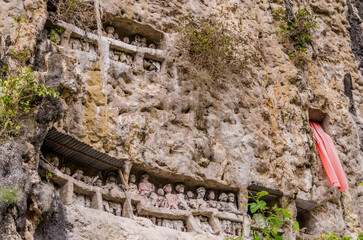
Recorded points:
(82, 222)
(253, 129)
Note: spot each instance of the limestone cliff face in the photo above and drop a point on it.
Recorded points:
(253, 129)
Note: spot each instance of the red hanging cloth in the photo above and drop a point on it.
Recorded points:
(329, 157)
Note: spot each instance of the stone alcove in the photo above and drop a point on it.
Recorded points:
(319, 116)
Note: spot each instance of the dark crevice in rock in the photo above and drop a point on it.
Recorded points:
(348, 86)
(356, 32)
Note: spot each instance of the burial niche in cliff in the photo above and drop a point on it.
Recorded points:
(327, 151)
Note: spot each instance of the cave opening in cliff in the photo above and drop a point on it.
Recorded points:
(271, 199)
(303, 215)
(318, 116)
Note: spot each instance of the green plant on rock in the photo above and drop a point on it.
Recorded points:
(267, 221)
(9, 195)
(21, 57)
(297, 31)
(18, 20)
(211, 46)
(19, 94)
(54, 35)
(334, 236)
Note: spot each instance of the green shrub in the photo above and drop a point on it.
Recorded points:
(54, 35)
(267, 222)
(333, 236)
(211, 46)
(9, 195)
(18, 96)
(297, 32)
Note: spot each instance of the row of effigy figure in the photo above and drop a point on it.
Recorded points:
(121, 56)
(165, 198)
(80, 45)
(151, 65)
(169, 223)
(230, 227)
(139, 40)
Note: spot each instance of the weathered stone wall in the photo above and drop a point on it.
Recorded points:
(251, 128)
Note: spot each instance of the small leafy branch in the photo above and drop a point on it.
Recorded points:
(54, 34)
(267, 222)
(19, 94)
(9, 195)
(297, 31)
(210, 45)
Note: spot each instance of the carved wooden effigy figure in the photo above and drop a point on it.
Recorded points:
(161, 201)
(78, 175)
(223, 204)
(152, 45)
(146, 64)
(126, 40)
(237, 228)
(110, 31)
(88, 201)
(84, 46)
(92, 49)
(182, 202)
(203, 223)
(159, 221)
(137, 41)
(212, 203)
(168, 223)
(76, 44)
(106, 206)
(152, 200)
(115, 36)
(201, 204)
(90, 180)
(112, 54)
(66, 171)
(112, 185)
(179, 225)
(116, 55)
(231, 206)
(128, 59)
(115, 208)
(132, 185)
(192, 203)
(98, 183)
(172, 199)
(143, 42)
(145, 187)
(54, 160)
